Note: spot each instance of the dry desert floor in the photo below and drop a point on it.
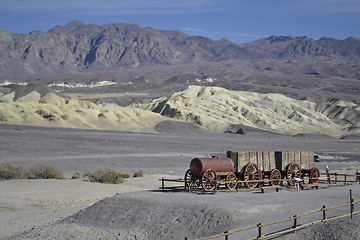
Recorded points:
(137, 209)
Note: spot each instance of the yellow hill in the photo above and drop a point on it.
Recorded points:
(219, 110)
(52, 110)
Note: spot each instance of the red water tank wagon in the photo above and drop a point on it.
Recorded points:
(200, 165)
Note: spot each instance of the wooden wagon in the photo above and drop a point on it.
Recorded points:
(251, 168)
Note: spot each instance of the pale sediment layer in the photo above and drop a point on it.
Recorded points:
(53, 111)
(213, 108)
(222, 110)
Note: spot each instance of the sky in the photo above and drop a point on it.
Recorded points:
(237, 20)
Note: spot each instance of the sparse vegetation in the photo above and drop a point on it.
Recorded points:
(65, 117)
(7, 172)
(107, 176)
(101, 115)
(45, 115)
(44, 172)
(138, 174)
(76, 176)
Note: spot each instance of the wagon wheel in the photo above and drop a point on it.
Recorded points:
(229, 178)
(208, 180)
(191, 183)
(292, 170)
(314, 175)
(275, 176)
(194, 186)
(251, 172)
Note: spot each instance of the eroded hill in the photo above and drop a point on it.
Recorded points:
(213, 108)
(34, 105)
(222, 110)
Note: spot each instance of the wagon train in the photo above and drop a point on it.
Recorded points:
(252, 169)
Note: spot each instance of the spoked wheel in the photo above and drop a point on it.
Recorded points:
(314, 175)
(250, 172)
(275, 177)
(231, 177)
(191, 183)
(292, 171)
(208, 180)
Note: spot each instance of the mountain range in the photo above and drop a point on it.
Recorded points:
(78, 47)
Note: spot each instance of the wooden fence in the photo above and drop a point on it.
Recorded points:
(293, 225)
(325, 180)
(340, 178)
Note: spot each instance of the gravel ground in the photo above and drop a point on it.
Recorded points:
(136, 209)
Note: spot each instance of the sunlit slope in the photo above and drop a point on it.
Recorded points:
(220, 110)
(52, 110)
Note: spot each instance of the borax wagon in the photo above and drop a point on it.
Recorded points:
(251, 169)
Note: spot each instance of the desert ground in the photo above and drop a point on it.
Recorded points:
(137, 209)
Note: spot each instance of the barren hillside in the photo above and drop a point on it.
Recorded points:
(221, 110)
(33, 105)
(79, 47)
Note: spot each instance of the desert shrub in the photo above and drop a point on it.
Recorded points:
(45, 115)
(76, 175)
(138, 174)
(7, 171)
(44, 172)
(65, 117)
(107, 176)
(101, 115)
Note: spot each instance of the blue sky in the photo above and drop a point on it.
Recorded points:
(237, 20)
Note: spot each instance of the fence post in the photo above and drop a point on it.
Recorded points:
(344, 178)
(162, 184)
(324, 212)
(336, 177)
(357, 176)
(295, 222)
(186, 238)
(226, 235)
(259, 230)
(351, 204)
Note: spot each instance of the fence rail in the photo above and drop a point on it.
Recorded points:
(333, 179)
(294, 226)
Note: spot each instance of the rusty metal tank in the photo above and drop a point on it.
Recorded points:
(200, 165)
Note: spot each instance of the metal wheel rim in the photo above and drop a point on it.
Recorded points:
(208, 180)
(275, 176)
(314, 176)
(251, 172)
(231, 177)
(188, 178)
(292, 170)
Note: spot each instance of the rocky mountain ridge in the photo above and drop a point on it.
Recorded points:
(79, 47)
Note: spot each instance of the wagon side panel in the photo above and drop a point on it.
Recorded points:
(260, 160)
(253, 157)
(285, 159)
(268, 160)
(311, 159)
(272, 163)
(291, 156)
(307, 158)
(297, 159)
